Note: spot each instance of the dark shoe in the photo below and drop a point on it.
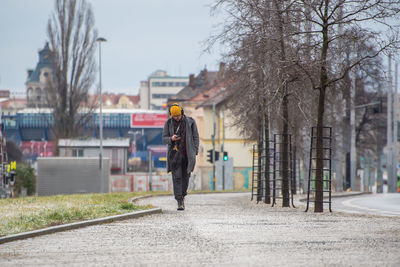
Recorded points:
(183, 203)
(180, 205)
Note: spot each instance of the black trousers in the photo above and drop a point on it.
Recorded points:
(180, 179)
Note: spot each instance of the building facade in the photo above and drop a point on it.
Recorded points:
(119, 101)
(206, 89)
(31, 130)
(155, 92)
(38, 78)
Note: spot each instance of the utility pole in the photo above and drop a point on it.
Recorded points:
(223, 149)
(213, 145)
(100, 40)
(150, 171)
(353, 152)
(393, 184)
(389, 146)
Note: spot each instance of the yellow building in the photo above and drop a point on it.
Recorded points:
(197, 100)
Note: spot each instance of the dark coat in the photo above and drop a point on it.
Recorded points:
(192, 140)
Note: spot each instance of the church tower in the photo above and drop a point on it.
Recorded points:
(37, 80)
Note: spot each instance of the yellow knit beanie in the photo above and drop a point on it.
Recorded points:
(175, 110)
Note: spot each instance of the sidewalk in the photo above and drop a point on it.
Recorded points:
(218, 229)
(301, 199)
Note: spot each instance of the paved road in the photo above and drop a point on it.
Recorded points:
(215, 230)
(376, 204)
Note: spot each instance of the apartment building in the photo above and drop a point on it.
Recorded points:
(206, 89)
(155, 92)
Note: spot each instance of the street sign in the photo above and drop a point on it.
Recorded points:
(148, 120)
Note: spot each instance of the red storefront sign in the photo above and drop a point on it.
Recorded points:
(148, 120)
(37, 148)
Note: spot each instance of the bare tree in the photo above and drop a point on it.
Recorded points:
(273, 45)
(325, 16)
(72, 39)
(262, 52)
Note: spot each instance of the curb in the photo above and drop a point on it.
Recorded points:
(75, 225)
(132, 200)
(336, 196)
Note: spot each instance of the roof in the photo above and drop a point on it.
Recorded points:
(162, 74)
(218, 94)
(203, 81)
(44, 61)
(134, 98)
(114, 98)
(4, 93)
(105, 111)
(14, 103)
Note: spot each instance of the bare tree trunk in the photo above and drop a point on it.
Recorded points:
(267, 179)
(285, 152)
(319, 185)
(285, 112)
(294, 186)
(259, 174)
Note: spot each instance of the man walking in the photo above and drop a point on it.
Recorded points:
(181, 135)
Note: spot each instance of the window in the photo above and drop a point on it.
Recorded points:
(77, 152)
(158, 96)
(116, 161)
(29, 92)
(155, 107)
(170, 84)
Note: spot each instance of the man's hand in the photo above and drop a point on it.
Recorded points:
(175, 138)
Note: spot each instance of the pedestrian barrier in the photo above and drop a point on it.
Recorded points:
(269, 173)
(261, 187)
(257, 184)
(326, 158)
(270, 176)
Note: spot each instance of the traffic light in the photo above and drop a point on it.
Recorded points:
(225, 156)
(378, 107)
(209, 155)
(216, 155)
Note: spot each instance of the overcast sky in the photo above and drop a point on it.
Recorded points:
(142, 36)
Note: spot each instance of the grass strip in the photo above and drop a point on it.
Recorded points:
(31, 213)
(18, 215)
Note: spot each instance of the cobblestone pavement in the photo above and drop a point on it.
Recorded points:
(218, 229)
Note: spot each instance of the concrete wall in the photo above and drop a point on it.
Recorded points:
(69, 175)
(241, 179)
(139, 182)
(121, 160)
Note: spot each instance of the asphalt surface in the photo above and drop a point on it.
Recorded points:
(376, 204)
(218, 229)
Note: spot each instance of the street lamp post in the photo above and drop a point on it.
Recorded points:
(100, 40)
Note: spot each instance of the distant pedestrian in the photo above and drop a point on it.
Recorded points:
(181, 135)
